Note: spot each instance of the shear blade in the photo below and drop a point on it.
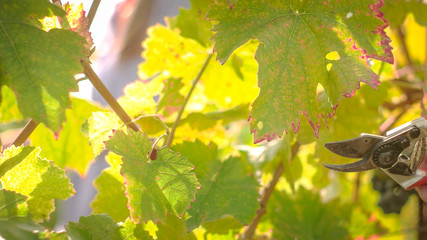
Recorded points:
(356, 147)
(358, 166)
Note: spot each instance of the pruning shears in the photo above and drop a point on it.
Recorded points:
(399, 153)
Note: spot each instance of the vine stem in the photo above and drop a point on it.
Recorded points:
(92, 11)
(102, 89)
(266, 194)
(403, 44)
(181, 111)
(25, 133)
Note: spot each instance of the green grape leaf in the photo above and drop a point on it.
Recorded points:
(171, 100)
(22, 170)
(175, 227)
(71, 148)
(111, 197)
(227, 188)
(308, 218)
(99, 127)
(155, 188)
(304, 44)
(99, 226)
(192, 24)
(38, 66)
(132, 231)
(15, 223)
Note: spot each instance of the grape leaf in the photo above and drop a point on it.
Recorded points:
(175, 227)
(70, 148)
(168, 54)
(296, 38)
(151, 125)
(227, 188)
(38, 66)
(201, 121)
(15, 223)
(132, 231)
(192, 24)
(171, 100)
(98, 128)
(154, 188)
(22, 170)
(99, 226)
(308, 218)
(138, 97)
(111, 197)
(79, 22)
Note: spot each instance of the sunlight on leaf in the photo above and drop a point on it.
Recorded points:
(71, 148)
(22, 170)
(294, 38)
(99, 127)
(111, 197)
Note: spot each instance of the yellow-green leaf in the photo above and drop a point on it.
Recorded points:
(70, 147)
(22, 170)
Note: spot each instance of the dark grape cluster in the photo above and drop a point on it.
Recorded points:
(392, 196)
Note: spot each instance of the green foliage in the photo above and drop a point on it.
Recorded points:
(8, 109)
(98, 128)
(132, 231)
(111, 197)
(191, 22)
(396, 11)
(41, 89)
(171, 98)
(157, 187)
(70, 147)
(22, 170)
(319, 61)
(294, 35)
(15, 222)
(94, 227)
(226, 187)
(308, 218)
(175, 227)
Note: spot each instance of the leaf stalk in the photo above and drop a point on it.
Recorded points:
(266, 194)
(25, 133)
(181, 111)
(102, 89)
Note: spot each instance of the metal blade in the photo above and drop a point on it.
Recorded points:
(356, 147)
(358, 166)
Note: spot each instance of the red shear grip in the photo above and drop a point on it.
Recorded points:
(422, 181)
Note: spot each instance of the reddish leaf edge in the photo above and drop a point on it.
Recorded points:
(385, 40)
(374, 81)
